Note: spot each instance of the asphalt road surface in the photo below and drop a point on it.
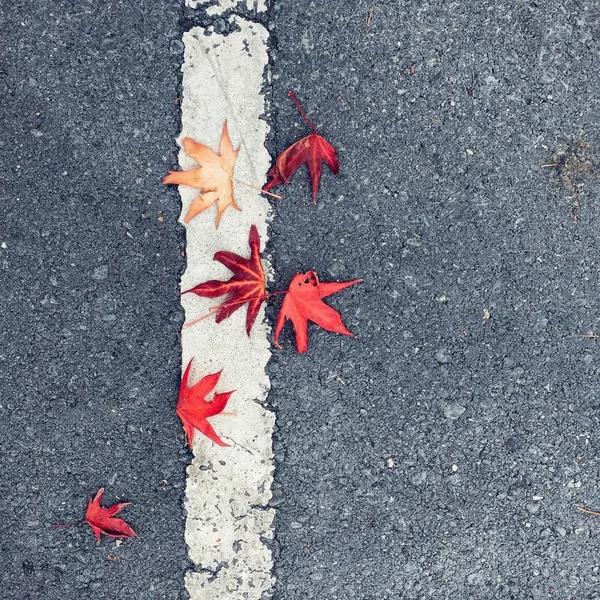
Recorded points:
(440, 454)
(89, 342)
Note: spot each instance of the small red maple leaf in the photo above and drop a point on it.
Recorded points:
(246, 286)
(102, 520)
(313, 150)
(193, 409)
(304, 302)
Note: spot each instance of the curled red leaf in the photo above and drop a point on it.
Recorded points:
(312, 150)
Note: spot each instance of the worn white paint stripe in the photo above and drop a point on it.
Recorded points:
(228, 488)
(224, 5)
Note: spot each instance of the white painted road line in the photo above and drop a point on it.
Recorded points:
(228, 488)
(224, 5)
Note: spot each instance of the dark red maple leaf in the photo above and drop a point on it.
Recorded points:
(312, 150)
(304, 302)
(102, 520)
(193, 409)
(246, 286)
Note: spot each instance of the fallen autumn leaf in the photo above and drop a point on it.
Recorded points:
(312, 150)
(304, 302)
(213, 176)
(247, 285)
(193, 409)
(102, 520)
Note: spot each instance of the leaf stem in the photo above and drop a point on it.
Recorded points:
(214, 309)
(255, 187)
(186, 325)
(74, 524)
(587, 511)
(302, 113)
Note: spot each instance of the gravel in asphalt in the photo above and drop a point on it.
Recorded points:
(90, 263)
(442, 453)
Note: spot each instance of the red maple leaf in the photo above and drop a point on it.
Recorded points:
(102, 520)
(193, 409)
(304, 302)
(246, 286)
(313, 150)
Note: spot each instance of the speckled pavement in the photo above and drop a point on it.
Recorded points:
(440, 454)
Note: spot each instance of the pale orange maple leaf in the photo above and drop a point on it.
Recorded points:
(213, 176)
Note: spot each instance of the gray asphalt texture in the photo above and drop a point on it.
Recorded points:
(441, 454)
(481, 275)
(89, 346)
